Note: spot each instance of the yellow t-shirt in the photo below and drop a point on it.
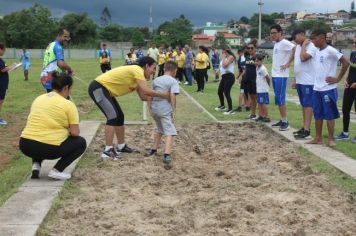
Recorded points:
(161, 58)
(180, 60)
(201, 57)
(49, 119)
(104, 60)
(121, 80)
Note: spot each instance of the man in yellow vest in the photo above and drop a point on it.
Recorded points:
(53, 59)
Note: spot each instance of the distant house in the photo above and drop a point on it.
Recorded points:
(202, 39)
(233, 39)
(283, 23)
(346, 33)
(211, 29)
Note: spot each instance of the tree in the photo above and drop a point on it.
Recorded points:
(80, 26)
(134, 35)
(352, 6)
(177, 32)
(220, 40)
(244, 20)
(105, 18)
(310, 25)
(33, 27)
(112, 33)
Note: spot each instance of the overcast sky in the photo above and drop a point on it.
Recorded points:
(136, 12)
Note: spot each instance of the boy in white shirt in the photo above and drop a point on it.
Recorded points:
(325, 86)
(262, 83)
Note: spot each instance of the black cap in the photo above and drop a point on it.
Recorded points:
(297, 31)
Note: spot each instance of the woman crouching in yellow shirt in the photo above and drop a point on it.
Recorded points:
(115, 83)
(52, 130)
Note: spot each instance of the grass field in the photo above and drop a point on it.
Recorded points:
(14, 167)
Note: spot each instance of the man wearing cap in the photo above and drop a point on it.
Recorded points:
(305, 73)
(281, 52)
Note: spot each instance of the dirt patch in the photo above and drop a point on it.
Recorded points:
(10, 135)
(225, 180)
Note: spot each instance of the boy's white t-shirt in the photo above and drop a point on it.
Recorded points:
(326, 65)
(305, 72)
(261, 82)
(281, 53)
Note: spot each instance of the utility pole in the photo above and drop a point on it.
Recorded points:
(150, 27)
(260, 4)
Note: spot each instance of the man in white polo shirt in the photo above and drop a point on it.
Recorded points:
(325, 86)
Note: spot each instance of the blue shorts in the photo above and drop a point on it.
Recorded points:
(279, 87)
(305, 93)
(325, 105)
(262, 98)
(26, 66)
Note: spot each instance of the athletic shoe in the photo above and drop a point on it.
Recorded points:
(3, 122)
(186, 83)
(259, 119)
(305, 134)
(229, 112)
(128, 149)
(239, 109)
(342, 136)
(298, 131)
(151, 152)
(167, 159)
(266, 120)
(284, 126)
(110, 154)
(252, 117)
(36, 168)
(55, 174)
(354, 140)
(277, 125)
(220, 108)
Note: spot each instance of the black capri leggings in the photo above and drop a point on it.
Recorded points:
(69, 150)
(161, 69)
(347, 101)
(107, 104)
(199, 76)
(226, 83)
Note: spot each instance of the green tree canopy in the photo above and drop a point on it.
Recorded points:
(112, 32)
(80, 26)
(310, 25)
(33, 27)
(177, 32)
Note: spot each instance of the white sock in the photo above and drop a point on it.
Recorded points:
(120, 146)
(108, 147)
(346, 133)
(284, 119)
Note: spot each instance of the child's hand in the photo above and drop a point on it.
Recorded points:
(353, 86)
(173, 117)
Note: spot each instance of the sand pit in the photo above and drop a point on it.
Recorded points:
(226, 180)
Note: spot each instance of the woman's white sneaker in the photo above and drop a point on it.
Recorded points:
(230, 112)
(55, 174)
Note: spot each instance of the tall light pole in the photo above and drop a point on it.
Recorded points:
(150, 27)
(260, 3)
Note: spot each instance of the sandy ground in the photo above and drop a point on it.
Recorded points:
(225, 180)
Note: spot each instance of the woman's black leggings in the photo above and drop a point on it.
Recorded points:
(69, 150)
(161, 69)
(347, 101)
(226, 83)
(200, 73)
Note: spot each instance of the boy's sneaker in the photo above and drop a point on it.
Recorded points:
(220, 108)
(277, 125)
(151, 152)
(284, 126)
(110, 154)
(342, 136)
(305, 134)
(36, 168)
(252, 117)
(354, 140)
(298, 131)
(167, 159)
(266, 120)
(229, 112)
(55, 174)
(239, 109)
(259, 119)
(128, 149)
(3, 122)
